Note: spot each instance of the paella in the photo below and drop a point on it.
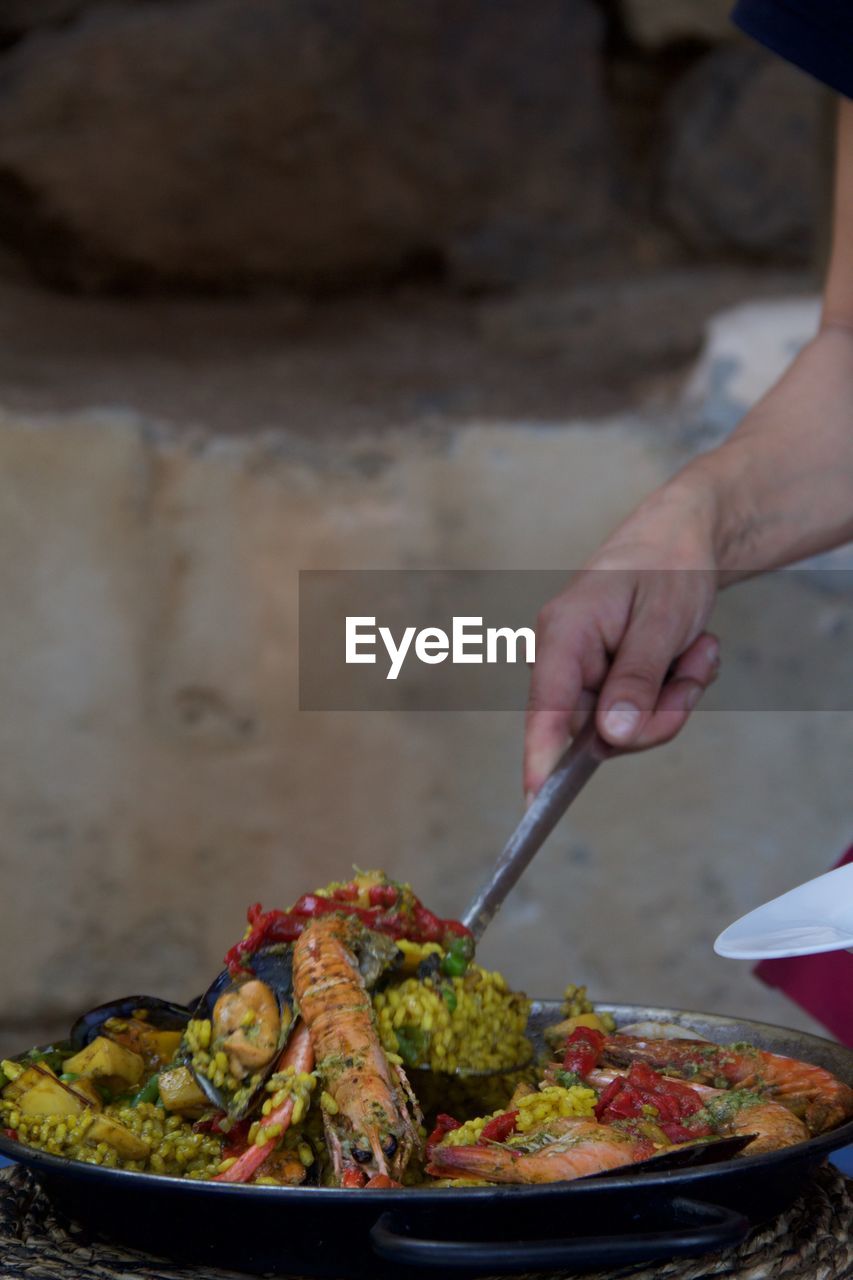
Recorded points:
(353, 1041)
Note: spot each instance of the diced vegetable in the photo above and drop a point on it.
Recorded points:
(22, 1079)
(116, 1067)
(499, 1128)
(444, 1124)
(582, 1052)
(156, 1046)
(412, 1045)
(149, 1092)
(179, 1091)
(591, 1020)
(105, 1129)
(50, 1098)
(38, 1091)
(86, 1090)
(561, 1031)
(458, 956)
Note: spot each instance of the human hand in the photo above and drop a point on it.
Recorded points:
(629, 630)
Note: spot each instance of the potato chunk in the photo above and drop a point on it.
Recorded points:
(24, 1080)
(49, 1098)
(179, 1092)
(104, 1060)
(105, 1129)
(86, 1090)
(561, 1031)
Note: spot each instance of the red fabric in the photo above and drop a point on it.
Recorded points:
(822, 984)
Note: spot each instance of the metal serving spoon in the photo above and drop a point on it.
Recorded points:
(571, 773)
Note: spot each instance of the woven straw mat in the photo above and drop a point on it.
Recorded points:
(813, 1240)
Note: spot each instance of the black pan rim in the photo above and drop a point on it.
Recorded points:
(62, 1166)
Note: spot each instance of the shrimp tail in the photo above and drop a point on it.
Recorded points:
(495, 1164)
(774, 1127)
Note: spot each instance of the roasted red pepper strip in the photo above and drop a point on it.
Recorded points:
(610, 1092)
(417, 924)
(499, 1129)
(236, 1137)
(383, 895)
(11, 1133)
(444, 1124)
(626, 1097)
(583, 1050)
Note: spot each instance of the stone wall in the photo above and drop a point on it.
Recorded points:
(238, 144)
(157, 775)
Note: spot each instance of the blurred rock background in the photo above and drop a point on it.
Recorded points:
(330, 285)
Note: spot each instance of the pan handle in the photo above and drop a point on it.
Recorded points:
(701, 1228)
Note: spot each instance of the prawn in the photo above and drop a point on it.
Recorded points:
(566, 1148)
(370, 1131)
(812, 1093)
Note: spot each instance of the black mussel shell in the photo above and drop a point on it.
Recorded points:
(429, 968)
(274, 966)
(163, 1014)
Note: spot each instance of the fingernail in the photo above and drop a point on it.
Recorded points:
(621, 721)
(530, 796)
(692, 696)
(713, 656)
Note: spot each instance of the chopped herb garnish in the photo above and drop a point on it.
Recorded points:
(412, 1045)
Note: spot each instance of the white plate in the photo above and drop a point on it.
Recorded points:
(816, 916)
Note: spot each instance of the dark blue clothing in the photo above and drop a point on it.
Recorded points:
(816, 35)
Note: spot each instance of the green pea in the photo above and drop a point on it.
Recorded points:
(454, 963)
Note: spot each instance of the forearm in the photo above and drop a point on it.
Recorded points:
(781, 487)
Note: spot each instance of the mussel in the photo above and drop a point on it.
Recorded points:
(238, 1029)
(219, 1017)
(164, 1015)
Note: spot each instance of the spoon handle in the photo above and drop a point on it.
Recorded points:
(572, 771)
